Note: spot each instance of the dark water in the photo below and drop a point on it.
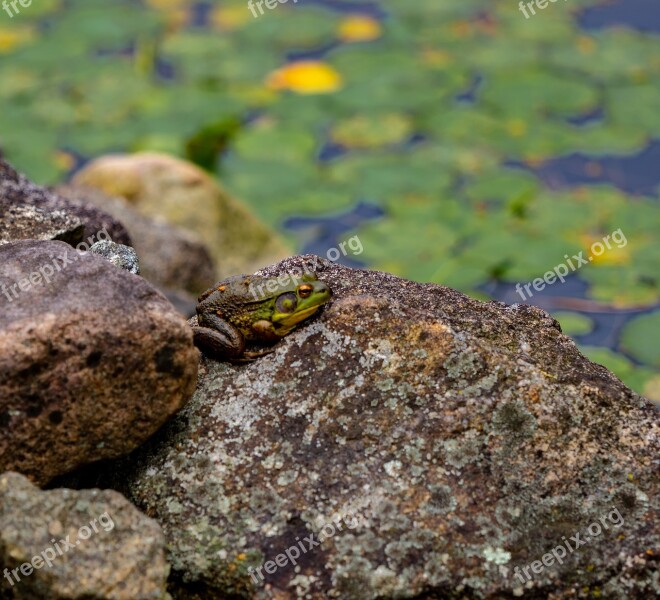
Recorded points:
(324, 233)
(571, 295)
(642, 15)
(634, 174)
(637, 174)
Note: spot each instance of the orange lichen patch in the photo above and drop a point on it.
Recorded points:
(359, 28)
(222, 288)
(230, 18)
(305, 77)
(534, 393)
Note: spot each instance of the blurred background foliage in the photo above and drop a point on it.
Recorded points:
(463, 143)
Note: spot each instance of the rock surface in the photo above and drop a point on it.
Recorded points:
(471, 438)
(170, 257)
(16, 190)
(93, 360)
(110, 551)
(123, 257)
(162, 186)
(33, 223)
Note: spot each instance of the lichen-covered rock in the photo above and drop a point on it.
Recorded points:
(93, 360)
(170, 257)
(123, 257)
(33, 223)
(469, 438)
(77, 545)
(163, 186)
(16, 190)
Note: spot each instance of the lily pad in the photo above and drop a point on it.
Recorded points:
(640, 339)
(572, 323)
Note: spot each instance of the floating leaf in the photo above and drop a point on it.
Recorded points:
(372, 130)
(359, 28)
(573, 324)
(305, 77)
(640, 339)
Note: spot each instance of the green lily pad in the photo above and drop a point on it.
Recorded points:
(372, 130)
(573, 324)
(640, 339)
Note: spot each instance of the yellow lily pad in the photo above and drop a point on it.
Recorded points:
(305, 77)
(359, 28)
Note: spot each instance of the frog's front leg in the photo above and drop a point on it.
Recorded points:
(218, 338)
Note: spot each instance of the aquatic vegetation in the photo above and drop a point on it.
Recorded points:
(493, 144)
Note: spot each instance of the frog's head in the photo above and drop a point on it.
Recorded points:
(296, 301)
(263, 308)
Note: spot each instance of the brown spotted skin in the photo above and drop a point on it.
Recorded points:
(246, 308)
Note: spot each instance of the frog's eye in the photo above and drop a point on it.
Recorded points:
(305, 290)
(286, 303)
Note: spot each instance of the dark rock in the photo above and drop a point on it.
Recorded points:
(77, 545)
(465, 439)
(123, 257)
(170, 257)
(81, 373)
(18, 191)
(33, 223)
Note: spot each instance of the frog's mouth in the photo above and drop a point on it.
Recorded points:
(292, 320)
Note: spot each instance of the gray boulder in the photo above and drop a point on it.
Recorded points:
(441, 447)
(171, 257)
(77, 545)
(51, 212)
(34, 223)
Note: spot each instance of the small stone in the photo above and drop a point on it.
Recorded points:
(119, 255)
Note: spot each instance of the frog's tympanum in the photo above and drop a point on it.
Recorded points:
(254, 309)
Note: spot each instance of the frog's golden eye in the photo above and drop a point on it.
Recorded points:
(305, 290)
(286, 303)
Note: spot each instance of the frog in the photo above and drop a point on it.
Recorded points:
(249, 309)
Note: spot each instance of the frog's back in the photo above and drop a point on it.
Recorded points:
(234, 299)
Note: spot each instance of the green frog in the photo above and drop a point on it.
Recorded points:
(247, 308)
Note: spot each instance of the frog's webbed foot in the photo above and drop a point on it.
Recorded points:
(227, 344)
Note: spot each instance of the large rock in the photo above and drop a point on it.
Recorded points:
(77, 545)
(33, 223)
(170, 257)
(37, 213)
(455, 440)
(163, 186)
(93, 360)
